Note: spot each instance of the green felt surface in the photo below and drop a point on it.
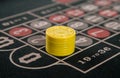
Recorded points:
(11, 7)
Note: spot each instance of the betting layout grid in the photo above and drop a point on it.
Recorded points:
(97, 39)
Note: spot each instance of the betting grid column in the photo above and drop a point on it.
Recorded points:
(79, 25)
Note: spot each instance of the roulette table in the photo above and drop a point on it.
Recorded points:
(22, 38)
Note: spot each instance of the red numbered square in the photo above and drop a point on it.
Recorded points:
(74, 12)
(103, 2)
(58, 18)
(98, 32)
(108, 13)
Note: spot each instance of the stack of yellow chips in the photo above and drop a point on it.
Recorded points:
(60, 40)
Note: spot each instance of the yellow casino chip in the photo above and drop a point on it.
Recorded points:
(60, 40)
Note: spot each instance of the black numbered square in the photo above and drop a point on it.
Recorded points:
(36, 40)
(93, 19)
(77, 25)
(112, 25)
(40, 24)
(89, 7)
(83, 41)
